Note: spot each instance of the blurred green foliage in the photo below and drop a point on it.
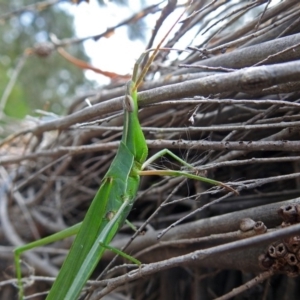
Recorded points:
(46, 83)
(43, 83)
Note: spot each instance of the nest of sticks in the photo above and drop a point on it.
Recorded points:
(231, 108)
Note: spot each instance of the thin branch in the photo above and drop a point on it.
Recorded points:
(248, 285)
(242, 80)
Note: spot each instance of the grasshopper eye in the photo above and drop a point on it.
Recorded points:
(128, 104)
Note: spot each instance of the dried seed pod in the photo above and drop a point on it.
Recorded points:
(280, 250)
(288, 213)
(265, 261)
(291, 259)
(291, 271)
(272, 251)
(277, 249)
(247, 224)
(260, 227)
(293, 243)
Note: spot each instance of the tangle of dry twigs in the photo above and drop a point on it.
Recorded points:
(231, 107)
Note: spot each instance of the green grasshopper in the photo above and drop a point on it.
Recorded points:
(112, 203)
